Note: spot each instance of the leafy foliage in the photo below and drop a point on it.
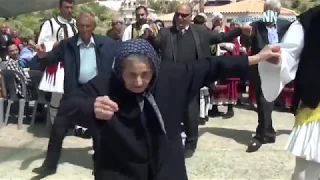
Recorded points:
(28, 24)
(300, 5)
(164, 8)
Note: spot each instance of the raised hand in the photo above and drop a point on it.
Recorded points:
(246, 30)
(104, 108)
(41, 50)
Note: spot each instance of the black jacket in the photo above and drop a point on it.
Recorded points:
(166, 42)
(128, 152)
(68, 52)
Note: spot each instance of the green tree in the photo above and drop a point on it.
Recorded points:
(27, 24)
(300, 6)
(156, 5)
(162, 7)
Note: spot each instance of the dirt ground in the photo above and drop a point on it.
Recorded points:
(220, 154)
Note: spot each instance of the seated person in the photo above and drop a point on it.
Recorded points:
(13, 64)
(27, 53)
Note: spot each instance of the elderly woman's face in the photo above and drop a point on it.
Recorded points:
(137, 74)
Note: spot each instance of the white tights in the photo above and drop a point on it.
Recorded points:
(306, 170)
(204, 102)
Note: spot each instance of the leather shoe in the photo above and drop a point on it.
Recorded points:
(228, 115)
(44, 171)
(254, 145)
(214, 113)
(257, 142)
(202, 121)
(188, 153)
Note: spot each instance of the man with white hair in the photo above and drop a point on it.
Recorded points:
(115, 31)
(264, 33)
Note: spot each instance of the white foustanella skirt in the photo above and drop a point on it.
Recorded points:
(304, 141)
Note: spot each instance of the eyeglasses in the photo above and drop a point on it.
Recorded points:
(177, 14)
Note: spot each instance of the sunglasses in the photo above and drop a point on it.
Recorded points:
(177, 14)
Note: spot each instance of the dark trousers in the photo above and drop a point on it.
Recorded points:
(264, 110)
(60, 128)
(191, 123)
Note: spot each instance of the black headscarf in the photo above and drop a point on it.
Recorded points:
(307, 85)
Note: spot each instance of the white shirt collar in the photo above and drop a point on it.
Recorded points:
(63, 20)
(184, 29)
(81, 42)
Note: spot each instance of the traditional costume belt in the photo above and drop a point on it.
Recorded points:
(306, 114)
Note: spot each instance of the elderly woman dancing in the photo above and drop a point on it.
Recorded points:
(139, 108)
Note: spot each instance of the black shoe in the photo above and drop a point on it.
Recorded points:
(256, 143)
(44, 171)
(214, 113)
(202, 121)
(188, 153)
(269, 140)
(228, 115)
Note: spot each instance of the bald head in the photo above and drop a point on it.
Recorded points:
(86, 17)
(186, 7)
(117, 24)
(4, 28)
(116, 20)
(182, 16)
(86, 24)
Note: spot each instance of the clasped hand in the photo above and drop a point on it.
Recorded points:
(270, 53)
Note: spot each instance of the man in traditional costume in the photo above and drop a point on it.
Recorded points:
(299, 62)
(52, 32)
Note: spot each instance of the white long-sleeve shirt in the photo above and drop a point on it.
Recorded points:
(48, 37)
(275, 77)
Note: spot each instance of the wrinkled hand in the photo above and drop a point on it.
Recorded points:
(41, 50)
(271, 53)
(104, 108)
(246, 30)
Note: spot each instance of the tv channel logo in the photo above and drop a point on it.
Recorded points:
(270, 16)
